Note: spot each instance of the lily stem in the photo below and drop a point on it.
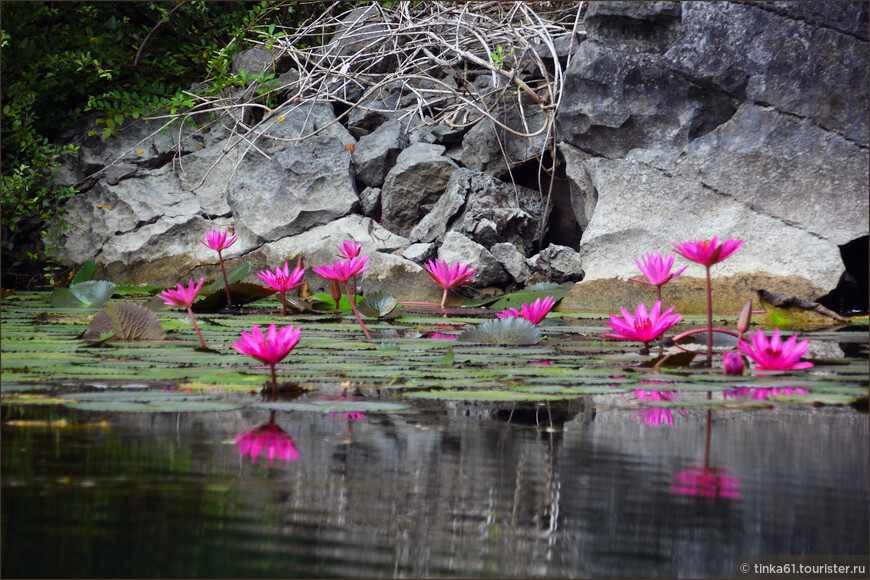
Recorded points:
(274, 381)
(226, 284)
(283, 304)
(709, 320)
(196, 327)
(355, 311)
(444, 299)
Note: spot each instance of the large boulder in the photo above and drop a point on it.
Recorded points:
(684, 121)
(418, 179)
(458, 248)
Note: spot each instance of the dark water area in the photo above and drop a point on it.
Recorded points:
(447, 489)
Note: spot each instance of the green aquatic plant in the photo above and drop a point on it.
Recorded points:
(93, 294)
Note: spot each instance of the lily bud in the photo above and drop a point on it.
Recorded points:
(732, 363)
(335, 291)
(745, 317)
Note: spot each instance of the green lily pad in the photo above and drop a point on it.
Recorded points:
(502, 331)
(517, 299)
(377, 304)
(484, 395)
(85, 273)
(123, 321)
(334, 406)
(92, 294)
(237, 274)
(155, 406)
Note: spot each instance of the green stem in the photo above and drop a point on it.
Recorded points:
(709, 320)
(196, 327)
(226, 284)
(353, 306)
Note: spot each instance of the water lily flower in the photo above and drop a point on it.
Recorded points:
(657, 271)
(342, 271)
(271, 438)
(270, 348)
(534, 312)
(218, 242)
(707, 253)
(774, 354)
(184, 297)
(282, 281)
(707, 482)
(349, 249)
(448, 276)
(643, 326)
(732, 362)
(439, 335)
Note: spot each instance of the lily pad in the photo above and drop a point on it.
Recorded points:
(237, 274)
(92, 294)
(502, 331)
(85, 272)
(517, 299)
(155, 406)
(126, 322)
(377, 304)
(334, 406)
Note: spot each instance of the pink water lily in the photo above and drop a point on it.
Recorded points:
(282, 281)
(184, 297)
(269, 438)
(218, 242)
(774, 354)
(534, 312)
(349, 249)
(642, 326)
(270, 348)
(657, 271)
(732, 363)
(448, 276)
(342, 271)
(707, 252)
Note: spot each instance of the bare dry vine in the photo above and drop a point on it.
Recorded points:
(446, 63)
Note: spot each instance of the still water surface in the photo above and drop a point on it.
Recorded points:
(447, 489)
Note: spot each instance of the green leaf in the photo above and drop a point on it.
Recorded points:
(377, 304)
(517, 299)
(86, 271)
(502, 331)
(448, 358)
(127, 321)
(233, 276)
(91, 294)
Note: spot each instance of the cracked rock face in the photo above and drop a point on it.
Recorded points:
(690, 120)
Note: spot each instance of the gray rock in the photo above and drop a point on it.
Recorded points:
(253, 61)
(485, 209)
(376, 153)
(419, 177)
(319, 246)
(400, 277)
(370, 202)
(555, 264)
(583, 195)
(513, 261)
(420, 253)
(486, 145)
(458, 248)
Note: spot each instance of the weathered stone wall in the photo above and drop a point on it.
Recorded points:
(678, 121)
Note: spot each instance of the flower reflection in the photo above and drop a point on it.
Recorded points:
(760, 393)
(350, 416)
(655, 416)
(707, 482)
(269, 438)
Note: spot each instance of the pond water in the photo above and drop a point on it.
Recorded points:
(379, 473)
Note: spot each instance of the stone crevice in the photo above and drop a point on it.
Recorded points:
(773, 9)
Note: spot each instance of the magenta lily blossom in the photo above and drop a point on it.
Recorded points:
(707, 253)
(269, 438)
(534, 312)
(657, 271)
(349, 249)
(184, 297)
(448, 276)
(282, 281)
(732, 362)
(270, 348)
(643, 326)
(342, 271)
(218, 242)
(774, 354)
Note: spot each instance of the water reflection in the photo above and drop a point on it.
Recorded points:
(707, 482)
(655, 416)
(270, 438)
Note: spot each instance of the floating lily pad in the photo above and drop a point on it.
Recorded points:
(377, 304)
(334, 406)
(485, 395)
(92, 294)
(123, 321)
(155, 406)
(502, 331)
(85, 273)
(517, 299)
